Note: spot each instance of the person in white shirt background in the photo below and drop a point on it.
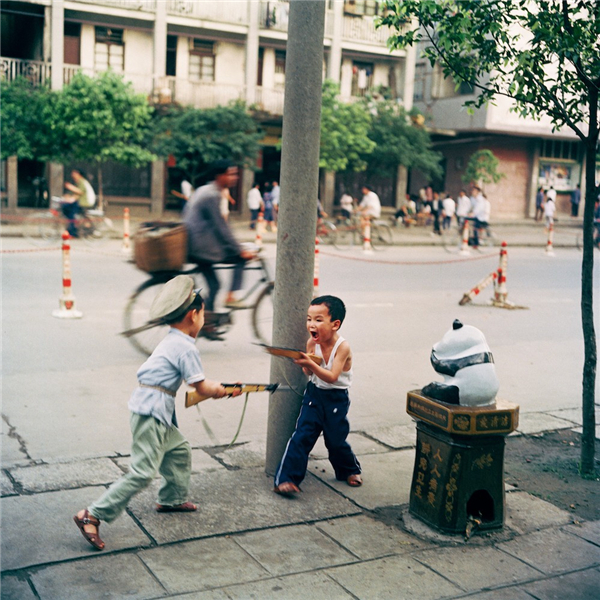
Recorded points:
(463, 208)
(448, 210)
(370, 205)
(254, 200)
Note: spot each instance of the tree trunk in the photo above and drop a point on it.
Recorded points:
(587, 300)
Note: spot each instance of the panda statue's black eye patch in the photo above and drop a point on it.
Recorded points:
(452, 365)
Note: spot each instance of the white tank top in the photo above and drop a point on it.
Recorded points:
(344, 380)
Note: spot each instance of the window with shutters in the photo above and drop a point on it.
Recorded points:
(202, 61)
(109, 50)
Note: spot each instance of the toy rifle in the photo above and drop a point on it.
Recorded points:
(192, 397)
(289, 353)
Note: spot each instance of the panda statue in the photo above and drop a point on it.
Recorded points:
(464, 359)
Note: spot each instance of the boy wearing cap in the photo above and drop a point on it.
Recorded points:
(325, 404)
(158, 445)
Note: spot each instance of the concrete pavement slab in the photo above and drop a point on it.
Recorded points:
(589, 531)
(307, 586)
(393, 578)
(246, 455)
(386, 477)
(512, 593)
(395, 436)
(525, 513)
(6, 485)
(540, 422)
(569, 414)
(67, 475)
(234, 501)
(209, 595)
(117, 576)
(367, 538)
(10, 446)
(580, 430)
(476, 568)
(202, 565)
(12, 588)
(293, 549)
(39, 529)
(553, 551)
(583, 585)
(201, 461)
(361, 445)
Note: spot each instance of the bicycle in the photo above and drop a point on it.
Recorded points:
(138, 307)
(326, 232)
(452, 238)
(596, 242)
(46, 227)
(350, 233)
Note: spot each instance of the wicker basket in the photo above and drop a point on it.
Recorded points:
(160, 246)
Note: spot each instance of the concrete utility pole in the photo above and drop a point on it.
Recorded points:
(297, 213)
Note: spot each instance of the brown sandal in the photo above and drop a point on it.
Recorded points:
(92, 537)
(185, 507)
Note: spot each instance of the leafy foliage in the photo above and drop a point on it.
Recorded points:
(344, 132)
(399, 141)
(483, 167)
(197, 137)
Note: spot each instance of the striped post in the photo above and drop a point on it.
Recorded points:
(67, 301)
(126, 247)
(480, 286)
(367, 237)
(316, 271)
(501, 293)
(260, 225)
(549, 247)
(464, 248)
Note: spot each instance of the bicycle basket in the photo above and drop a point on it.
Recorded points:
(160, 246)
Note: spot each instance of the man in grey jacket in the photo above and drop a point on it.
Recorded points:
(210, 240)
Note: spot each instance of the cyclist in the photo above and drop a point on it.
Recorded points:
(481, 213)
(82, 196)
(210, 240)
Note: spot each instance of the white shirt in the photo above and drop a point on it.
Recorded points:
(551, 194)
(254, 199)
(482, 209)
(549, 208)
(187, 189)
(346, 202)
(275, 195)
(371, 202)
(344, 381)
(464, 206)
(449, 207)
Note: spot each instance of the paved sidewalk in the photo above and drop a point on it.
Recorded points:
(330, 542)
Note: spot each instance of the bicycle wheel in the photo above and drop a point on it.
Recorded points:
(344, 237)
(381, 236)
(262, 315)
(137, 314)
(488, 240)
(96, 229)
(452, 240)
(326, 233)
(42, 228)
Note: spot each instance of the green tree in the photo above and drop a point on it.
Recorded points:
(544, 56)
(399, 141)
(26, 112)
(344, 132)
(100, 119)
(482, 168)
(197, 137)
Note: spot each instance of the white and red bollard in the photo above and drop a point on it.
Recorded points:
(501, 294)
(316, 271)
(260, 226)
(549, 247)
(477, 289)
(126, 247)
(367, 247)
(464, 248)
(67, 300)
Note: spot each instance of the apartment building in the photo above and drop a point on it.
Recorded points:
(530, 153)
(201, 53)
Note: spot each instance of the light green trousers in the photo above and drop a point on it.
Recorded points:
(156, 448)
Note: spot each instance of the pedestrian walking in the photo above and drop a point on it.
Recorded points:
(325, 403)
(463, 207)
(549, 210)
(448, 210)
(254, 200)
(539, 204)
(157, 444)
(575, 200)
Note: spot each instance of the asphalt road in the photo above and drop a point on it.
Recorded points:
(66, 382)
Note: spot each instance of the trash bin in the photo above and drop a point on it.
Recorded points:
(458, 477)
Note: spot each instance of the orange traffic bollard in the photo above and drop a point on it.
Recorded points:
(67, 301)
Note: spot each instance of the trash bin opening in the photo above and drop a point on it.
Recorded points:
(481, 505)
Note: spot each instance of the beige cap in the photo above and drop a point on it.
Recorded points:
(175, 299)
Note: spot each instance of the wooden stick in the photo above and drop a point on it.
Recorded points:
(192, 397)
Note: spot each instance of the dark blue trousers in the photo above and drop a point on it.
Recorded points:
(322, 411)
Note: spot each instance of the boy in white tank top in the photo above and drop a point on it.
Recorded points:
(325, 404)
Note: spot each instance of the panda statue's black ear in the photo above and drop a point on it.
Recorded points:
(456, 324)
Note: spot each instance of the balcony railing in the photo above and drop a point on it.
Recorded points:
(144, 5)
(222, 12)
(199, 94)
(36, 71)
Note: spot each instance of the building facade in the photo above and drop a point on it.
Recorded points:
(196, 53)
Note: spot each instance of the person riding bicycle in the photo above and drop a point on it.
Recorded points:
(210, 239)
(82, 196)
(481, 213)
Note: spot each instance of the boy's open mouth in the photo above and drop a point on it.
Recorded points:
(314, 335)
